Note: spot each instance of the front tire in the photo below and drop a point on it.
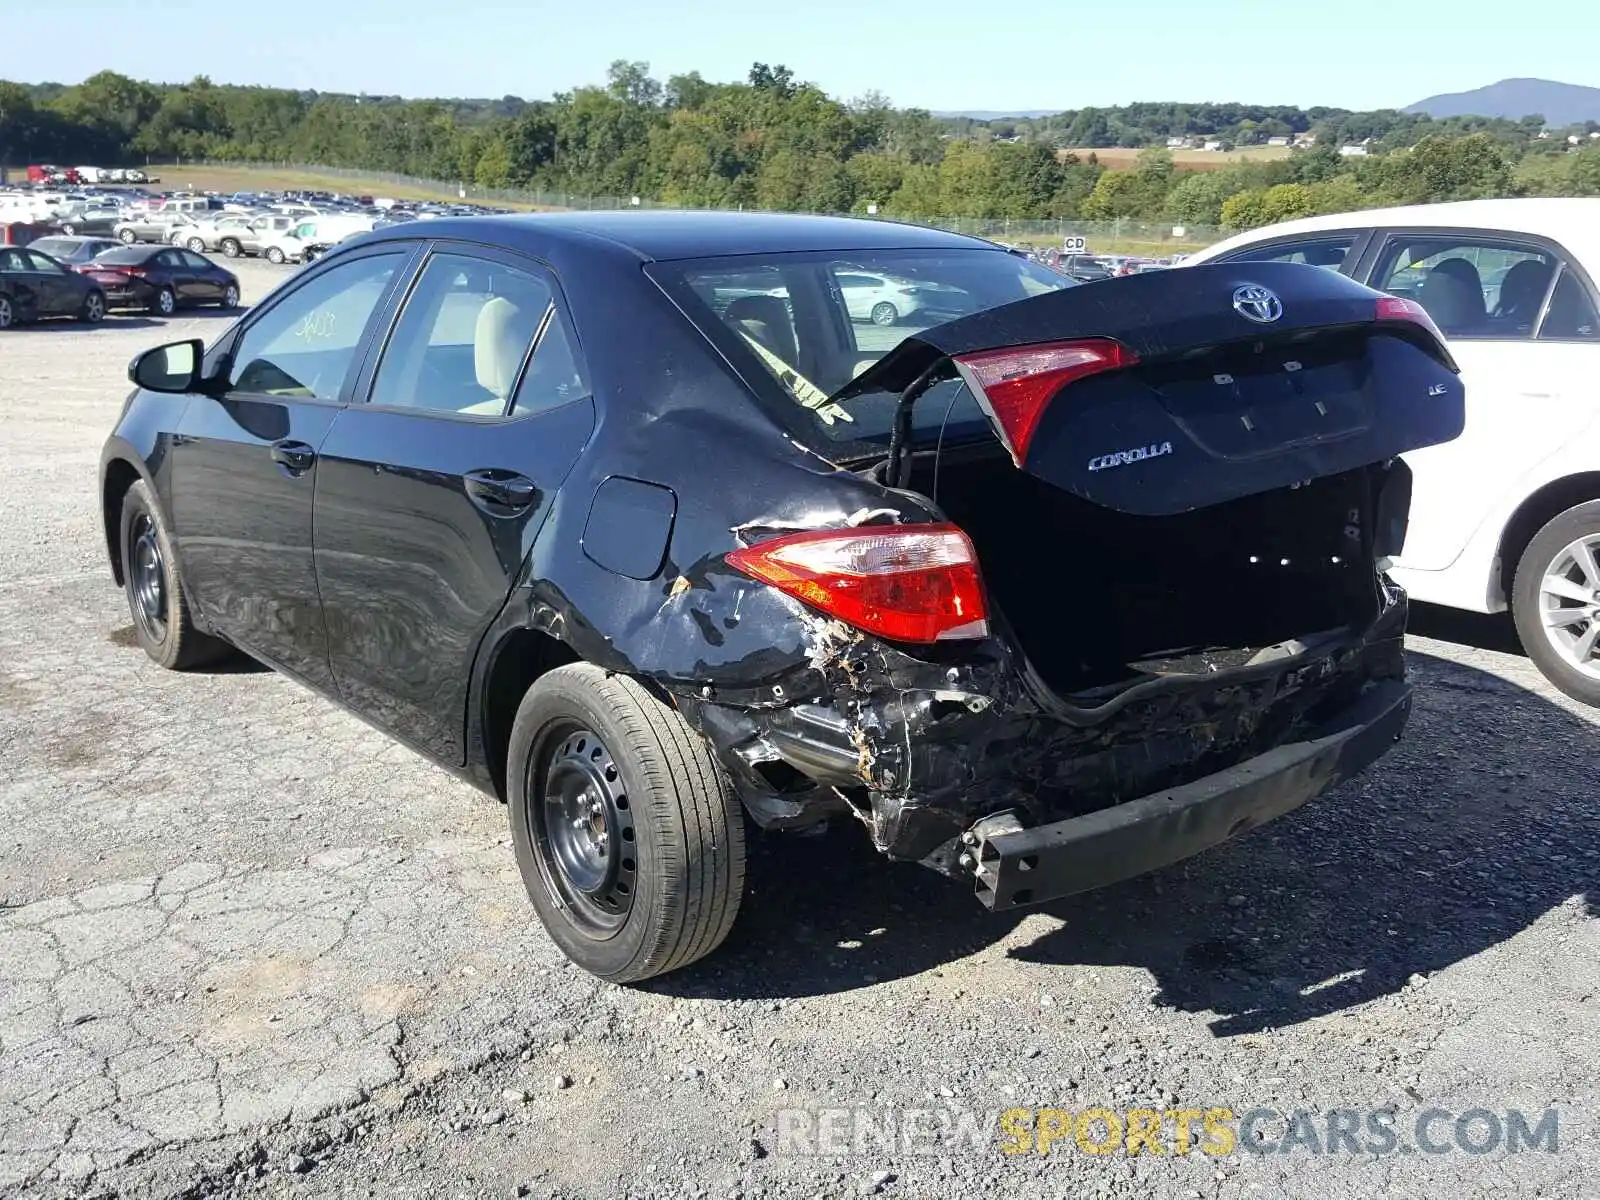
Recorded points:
(627, 833)
(1555, 601)
(127, 237)
(884, 313)
(160, 610)
(8, 314)
(231, 247)
(274, 256)
(69, 230)
(230, 297)
(198, 245)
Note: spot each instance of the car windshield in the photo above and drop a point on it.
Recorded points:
(809, 323)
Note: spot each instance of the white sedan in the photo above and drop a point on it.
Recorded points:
(1508, 514)
(880, 299)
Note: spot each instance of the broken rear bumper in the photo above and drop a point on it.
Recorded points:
(1026, 866)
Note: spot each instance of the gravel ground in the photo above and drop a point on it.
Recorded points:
(250, 946)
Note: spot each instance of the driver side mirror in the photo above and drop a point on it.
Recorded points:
(173, 368)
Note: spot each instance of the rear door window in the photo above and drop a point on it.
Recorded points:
(478, 337)
(1477, 287)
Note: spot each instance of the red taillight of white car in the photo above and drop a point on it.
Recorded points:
(906, 583)
(1016, 384)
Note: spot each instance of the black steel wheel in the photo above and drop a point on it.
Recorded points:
(162, 623)
(627, 833)
(584, 826)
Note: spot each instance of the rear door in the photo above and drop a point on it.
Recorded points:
(244, 462)
(1488, 291)
(431, 492)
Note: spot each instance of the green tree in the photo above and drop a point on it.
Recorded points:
(1441, 168)
(1286, 202)
(1197, 198)
(1244, 210)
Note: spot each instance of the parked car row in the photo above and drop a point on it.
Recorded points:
(86, 278)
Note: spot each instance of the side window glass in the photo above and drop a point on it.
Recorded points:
(39, 262)
(11, 260)
(1572, 315)
(1473, 288)
(303, 346)
(1329, 252)
(194, 261)
(554, 375)
(461, 341)
(755, 305)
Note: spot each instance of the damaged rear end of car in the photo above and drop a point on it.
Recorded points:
(1124, 596)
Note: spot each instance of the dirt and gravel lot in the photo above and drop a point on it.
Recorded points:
(249, 946)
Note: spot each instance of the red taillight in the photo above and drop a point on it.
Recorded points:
(1398, 308)
(906, 583)
(1017, 383)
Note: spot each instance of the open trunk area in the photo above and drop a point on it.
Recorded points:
(1100, 599)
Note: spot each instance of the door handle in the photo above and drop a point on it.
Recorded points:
(500, 493)
(294, 457)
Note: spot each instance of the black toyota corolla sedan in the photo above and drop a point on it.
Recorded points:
(162, 279)
(633, 520)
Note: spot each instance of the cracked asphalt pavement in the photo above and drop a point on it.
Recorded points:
(249, 946)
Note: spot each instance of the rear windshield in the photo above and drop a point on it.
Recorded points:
(127, 256)
(801, 326)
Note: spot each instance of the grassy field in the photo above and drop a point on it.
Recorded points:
(1126, 158)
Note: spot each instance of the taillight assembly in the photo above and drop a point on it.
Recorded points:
(906, 583)
(1017, 383)
(1398, 308)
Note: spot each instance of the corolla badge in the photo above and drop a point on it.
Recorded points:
(1121, 458)
(1256, 303)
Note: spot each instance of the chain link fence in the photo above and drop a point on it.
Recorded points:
(1099, 237)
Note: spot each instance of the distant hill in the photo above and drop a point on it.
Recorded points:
(1559, 103)
(997, 114)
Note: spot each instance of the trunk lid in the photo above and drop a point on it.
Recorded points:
(1157, 394)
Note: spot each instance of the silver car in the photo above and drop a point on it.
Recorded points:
(151, 227)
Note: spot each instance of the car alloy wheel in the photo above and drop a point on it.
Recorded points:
(6, 314)
(230, 298)
(197, 244)
(583, 826)
(127, 237)
(275, 256)
(70, 230)
(166, 302)
(147, 571)
(884, 313)
(94, 308)
(231, 247)
(1569, 604)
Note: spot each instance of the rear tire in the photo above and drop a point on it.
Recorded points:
(156, 601)
(165, 303)
(94, 308)
(8, 314)
(884, 313)
(198, 245)
(1556, 558)
(127, 237)
(653, 879)
(230, 298)
(231, 247)
(274, 256)
(69, 230)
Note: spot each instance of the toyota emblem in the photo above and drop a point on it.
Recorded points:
(1256, 303)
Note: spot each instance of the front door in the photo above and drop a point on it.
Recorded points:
(245, 462)
(430, 494)
(1488, 292)
(52, 289)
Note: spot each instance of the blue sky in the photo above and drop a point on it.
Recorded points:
(938, 54)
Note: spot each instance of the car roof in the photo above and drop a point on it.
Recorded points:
(666, 234)
(1573, 222)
